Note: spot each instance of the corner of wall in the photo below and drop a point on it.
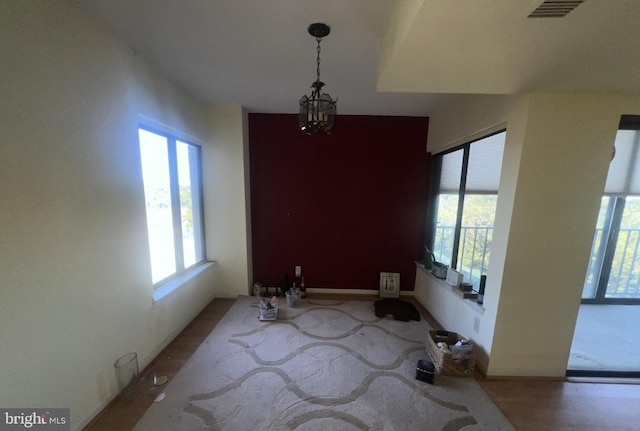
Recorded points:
(454, 314)
(227, 199)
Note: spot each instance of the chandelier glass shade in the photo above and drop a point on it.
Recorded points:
(318, 110)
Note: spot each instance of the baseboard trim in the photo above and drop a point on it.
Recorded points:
(610, 380)
(546, 378)
(352, 291)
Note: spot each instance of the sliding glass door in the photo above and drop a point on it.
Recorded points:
(613, 276)
(606, 340)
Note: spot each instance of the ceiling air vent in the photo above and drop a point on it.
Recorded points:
(555, 8)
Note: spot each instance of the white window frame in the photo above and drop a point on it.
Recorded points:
(182, 273)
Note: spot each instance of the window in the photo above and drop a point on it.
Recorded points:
(171, 171)
(466, 190)
(613, 275)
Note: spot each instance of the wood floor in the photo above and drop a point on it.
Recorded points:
(122, 415)
(547, 405)
(530, 405)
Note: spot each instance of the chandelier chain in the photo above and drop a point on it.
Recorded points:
(318, 39)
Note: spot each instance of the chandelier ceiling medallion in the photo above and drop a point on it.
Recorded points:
(317, 111)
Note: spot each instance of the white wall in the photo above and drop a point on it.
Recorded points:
(75, 278)
(463, 119)
(556, 158)
(451, 311)
(565, 157)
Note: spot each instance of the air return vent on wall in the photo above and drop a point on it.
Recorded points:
(555, 8)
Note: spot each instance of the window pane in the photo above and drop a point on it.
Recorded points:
(187, 156)
(475, 226)
(447, 206)
(597, 250)
(476, 234)
(445, 227)
(622, 166)
(479, 209)
(485, 164)
(625, 268)
(634, 183)
(157, 193)
(451, 170)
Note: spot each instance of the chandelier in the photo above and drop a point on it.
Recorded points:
(317, 111)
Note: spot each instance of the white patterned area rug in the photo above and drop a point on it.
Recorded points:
(325, 365)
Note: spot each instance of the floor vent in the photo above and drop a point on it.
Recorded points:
(555, 8)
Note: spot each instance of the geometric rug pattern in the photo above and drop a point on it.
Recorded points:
(325, 365)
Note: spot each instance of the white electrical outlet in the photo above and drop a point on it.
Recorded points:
(298, 270)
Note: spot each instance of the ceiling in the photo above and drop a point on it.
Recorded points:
(383, 57)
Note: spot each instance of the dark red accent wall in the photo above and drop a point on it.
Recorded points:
(344, 206)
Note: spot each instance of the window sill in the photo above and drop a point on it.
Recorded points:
(165, 289)
(471, 303)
